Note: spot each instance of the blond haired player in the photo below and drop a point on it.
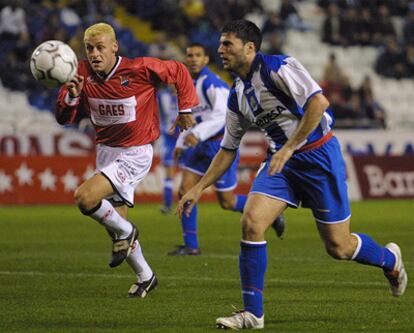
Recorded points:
(119, 96)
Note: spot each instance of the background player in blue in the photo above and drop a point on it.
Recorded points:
(168, 108)
(202, 142)
(305, 165)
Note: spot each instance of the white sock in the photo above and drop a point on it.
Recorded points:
(138, 263)
(109, 217)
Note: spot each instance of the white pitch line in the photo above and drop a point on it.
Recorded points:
(187, 278)
(279, 259)
(218, 256)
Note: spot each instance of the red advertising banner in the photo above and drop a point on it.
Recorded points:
(385, 177)
(47, 169)
(65, 143)
(53, 179)
(42, 179)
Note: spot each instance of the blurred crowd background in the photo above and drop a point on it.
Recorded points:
(360, 51)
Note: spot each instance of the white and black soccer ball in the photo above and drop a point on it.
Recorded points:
(53, 63)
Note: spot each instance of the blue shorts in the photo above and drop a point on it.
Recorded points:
(198, 159)
(315, 178)
(167, 149)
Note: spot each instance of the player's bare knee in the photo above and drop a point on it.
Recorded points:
(252, 232)
(250, 227)
(78, 195)
(84, 199)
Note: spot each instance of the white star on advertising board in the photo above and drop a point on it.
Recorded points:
(47, 180)
(70, 181)
(24, 175)
(5, 182)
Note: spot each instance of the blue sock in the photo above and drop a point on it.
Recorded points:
(252, 264)
(189, 226)
(168, 192)
(240, 203)
(368, 252)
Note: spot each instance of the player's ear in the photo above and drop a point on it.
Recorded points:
(115, 47)
(250, 47)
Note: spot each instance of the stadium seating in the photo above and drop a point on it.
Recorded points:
(18, 116)
(394, 95)
(135, 34)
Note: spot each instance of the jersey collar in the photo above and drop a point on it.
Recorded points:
(112, 71)
(203, 71)
(255, 64)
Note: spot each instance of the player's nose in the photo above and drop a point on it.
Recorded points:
(94, 53)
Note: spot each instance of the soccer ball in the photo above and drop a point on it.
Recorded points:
(53, 63)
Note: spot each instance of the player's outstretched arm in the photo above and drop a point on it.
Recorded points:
(221, 162)
(68, 100)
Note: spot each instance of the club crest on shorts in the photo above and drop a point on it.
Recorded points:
(121, 176)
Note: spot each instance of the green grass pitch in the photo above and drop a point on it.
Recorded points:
(54, 275)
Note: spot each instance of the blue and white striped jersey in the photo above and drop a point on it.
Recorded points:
(273, 97)
(167, 106)
(210, 114)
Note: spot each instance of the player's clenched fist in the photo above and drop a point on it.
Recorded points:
(75, 86)
(184, 121)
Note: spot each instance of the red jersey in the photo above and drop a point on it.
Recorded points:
(122, 105)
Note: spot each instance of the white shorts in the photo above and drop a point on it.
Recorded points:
(124, 167)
